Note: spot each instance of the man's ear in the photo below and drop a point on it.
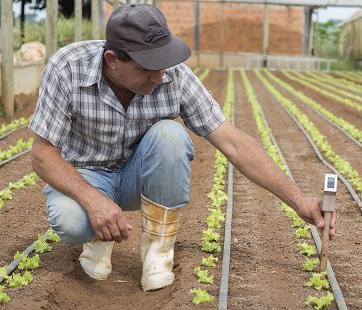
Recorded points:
(111, 59)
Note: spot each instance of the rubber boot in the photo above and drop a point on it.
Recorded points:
(96, 259)
(159, 229)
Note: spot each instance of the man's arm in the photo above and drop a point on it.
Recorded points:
(249, 158)
(106, 217)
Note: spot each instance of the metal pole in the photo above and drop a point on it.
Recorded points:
(266, 36)
(7, 74)
(51, 27)
(197, 32)
(78, 20)
(221, 62)
(95, 19)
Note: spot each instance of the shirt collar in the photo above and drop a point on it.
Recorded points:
(94, 72)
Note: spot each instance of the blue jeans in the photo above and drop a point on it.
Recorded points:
(159, 169)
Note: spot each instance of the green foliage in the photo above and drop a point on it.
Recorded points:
(203, 276)
(20, 122)
(303, 232)
(209, 261)
(52, 235)
(326, 39)
(318, 281)
(310, 264)
(321, 302)
(17, 280)
(307, 249)
(26, 262)
(4, 298)
(20, 146)
(210, 247)
(65, 28)
(202, 296)
(41, 246)
(3, 271)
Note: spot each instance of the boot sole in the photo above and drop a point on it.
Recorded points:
(157, 281)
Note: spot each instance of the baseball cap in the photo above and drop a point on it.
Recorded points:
(141, 30)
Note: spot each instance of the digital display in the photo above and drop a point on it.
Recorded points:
(330, 182)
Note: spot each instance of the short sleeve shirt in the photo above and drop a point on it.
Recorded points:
(79, 113)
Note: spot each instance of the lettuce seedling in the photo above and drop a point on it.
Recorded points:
(209, 261)
(201, 296)
(307, 249)
(203, 276)
(321, 302)
(310, 264)
(318, 281)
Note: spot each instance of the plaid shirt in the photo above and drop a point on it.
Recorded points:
(79, 113)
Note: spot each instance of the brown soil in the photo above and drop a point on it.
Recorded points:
(337, 108)
(265, 270)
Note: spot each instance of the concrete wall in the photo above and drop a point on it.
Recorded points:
(243, 26)
(27, 76)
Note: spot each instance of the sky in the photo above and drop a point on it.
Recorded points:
(335, 13)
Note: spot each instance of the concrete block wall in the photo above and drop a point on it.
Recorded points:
(243, 26)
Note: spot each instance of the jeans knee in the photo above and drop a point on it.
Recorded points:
(172, 141)
(69, 220)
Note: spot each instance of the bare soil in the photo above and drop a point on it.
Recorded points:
(265, 270)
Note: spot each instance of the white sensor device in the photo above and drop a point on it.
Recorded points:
(330, 183)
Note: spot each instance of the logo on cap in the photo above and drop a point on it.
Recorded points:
(156, 33)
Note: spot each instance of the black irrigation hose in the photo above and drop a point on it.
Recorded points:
(12, 266)
(341, 304)
(10, 132)
(4, 162)
(224, 282)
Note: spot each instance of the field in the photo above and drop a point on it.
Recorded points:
(266, 264)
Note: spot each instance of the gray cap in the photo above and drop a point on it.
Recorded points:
(141, 30)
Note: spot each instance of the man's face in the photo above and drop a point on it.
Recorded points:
(136, 79)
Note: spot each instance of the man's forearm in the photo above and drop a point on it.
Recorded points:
(61, 175)
(251, 160)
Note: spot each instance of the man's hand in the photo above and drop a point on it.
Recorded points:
(108, 220)
(310, 211)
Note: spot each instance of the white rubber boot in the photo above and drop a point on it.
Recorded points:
(96, 259)
(159, 229)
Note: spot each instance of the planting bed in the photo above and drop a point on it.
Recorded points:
(265, 266)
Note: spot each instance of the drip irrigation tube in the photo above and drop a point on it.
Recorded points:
(4, 162)
(341, 304)
(10, 132)
(224, 282)
(339, 299)
(327, 164)
(12, 266)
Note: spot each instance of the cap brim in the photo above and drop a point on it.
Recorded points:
(163, 57)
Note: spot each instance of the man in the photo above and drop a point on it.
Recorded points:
(105, 141)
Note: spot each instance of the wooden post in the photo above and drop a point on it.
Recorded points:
(95, 20)
(51, 27)
(78, 20)
(266, 36)
(7, 74)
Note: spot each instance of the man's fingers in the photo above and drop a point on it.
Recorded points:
(106, 234)
(332, 226)
(123, 228)
(116, 234)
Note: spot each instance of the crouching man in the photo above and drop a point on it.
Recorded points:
(105, 141)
